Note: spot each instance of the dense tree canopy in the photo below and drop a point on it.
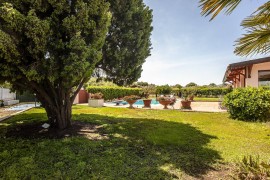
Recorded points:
(128, 41)
(51, 48)
(191, 84)
(257, 26)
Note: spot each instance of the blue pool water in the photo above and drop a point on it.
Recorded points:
(138, 102)
(21, 107)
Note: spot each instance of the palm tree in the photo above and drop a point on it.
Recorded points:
(256, 40)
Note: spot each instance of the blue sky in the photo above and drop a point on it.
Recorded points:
(189, 48)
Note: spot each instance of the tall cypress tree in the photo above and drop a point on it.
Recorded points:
(128, 41)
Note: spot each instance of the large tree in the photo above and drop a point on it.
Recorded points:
(50, 47)
(128, 41)
(257, 25)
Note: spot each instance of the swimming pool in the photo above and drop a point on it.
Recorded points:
(137, 103)
(140, 102)
(21, 107)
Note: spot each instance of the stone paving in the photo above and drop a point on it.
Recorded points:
(9, 111)
(195, 106)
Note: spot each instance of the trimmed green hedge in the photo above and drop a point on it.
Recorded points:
(205, 92)
(165, 89)
(248, 104)
(110, 93)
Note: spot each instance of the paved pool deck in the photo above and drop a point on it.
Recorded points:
(195, 106)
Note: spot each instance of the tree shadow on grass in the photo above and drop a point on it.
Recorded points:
(131, 148)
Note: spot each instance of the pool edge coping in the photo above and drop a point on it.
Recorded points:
(11, 115)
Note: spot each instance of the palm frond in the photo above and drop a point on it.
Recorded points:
(214, 7)
(256, 41)
(259, 18)
(257, 38)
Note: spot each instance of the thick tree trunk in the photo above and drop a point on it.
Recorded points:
(57, 102)
(59, 116)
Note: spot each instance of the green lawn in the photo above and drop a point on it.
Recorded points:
(131, 144)
(205, 99)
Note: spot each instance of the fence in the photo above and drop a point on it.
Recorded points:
(5, 94)
(26, 97)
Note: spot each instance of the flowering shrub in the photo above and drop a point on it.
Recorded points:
(164, 98)
(248, 104)
(97, 96)
(131, 97)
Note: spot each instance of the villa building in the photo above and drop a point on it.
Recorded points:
(252, 73)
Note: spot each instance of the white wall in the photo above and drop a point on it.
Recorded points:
(5, 94)
(253, 81)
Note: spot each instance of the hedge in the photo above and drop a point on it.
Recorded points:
(110, 93)
(205, 92)
(248, 104)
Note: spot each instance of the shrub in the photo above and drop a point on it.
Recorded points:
(248, 104)
(97, 96)
(206, 91)
(252, 168)
(131, 97)
(110, 93)
(166, 89)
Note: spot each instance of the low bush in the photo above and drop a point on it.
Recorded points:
(110, 93)
(248, 104)
(252, 168)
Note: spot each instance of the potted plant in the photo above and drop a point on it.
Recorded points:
(185, 103)
(146, 100)
(191, 97)
(96, 100)
(2, 103)
(165, 101)
(131, 100)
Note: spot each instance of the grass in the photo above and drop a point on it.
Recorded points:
(206, 99)
(137, 144)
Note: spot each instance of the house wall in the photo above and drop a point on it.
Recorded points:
(5, 94)
(76, 100)
(253, 81)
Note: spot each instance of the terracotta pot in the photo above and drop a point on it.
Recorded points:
(131, 102)
(165, 103)
(185, 104)
(147, 103)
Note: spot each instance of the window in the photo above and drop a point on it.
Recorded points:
(264, 78)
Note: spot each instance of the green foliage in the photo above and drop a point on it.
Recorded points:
(165, 89)
(212, 85)
(96, 82)
(177, 86)
(206, 91)
(110, 93)
(248, 104)
(142, 84)
(5, 85)
(131, 97)
(191, 84)
(253, 168)
(256, 38)
(128, 41)
(51, 48)
(151, 89)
